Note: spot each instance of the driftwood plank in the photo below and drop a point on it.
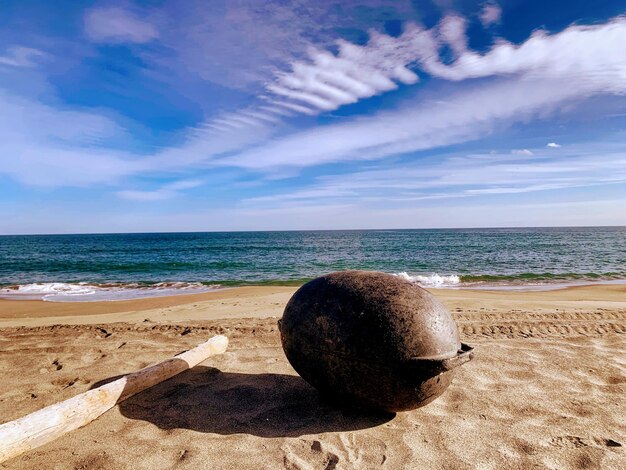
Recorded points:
(47, 424)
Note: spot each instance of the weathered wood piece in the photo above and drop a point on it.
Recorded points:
(47, 424)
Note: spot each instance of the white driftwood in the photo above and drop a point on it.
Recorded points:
(49, 423)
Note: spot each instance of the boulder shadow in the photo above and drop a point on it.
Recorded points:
(208, 400)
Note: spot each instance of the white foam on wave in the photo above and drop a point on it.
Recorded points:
(83, 292)
(431, 280)
(46, 288)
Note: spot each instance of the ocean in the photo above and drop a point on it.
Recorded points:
(123, 266)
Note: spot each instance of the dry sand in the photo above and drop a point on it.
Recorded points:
(546, 389)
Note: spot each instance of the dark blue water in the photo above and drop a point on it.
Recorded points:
(432, 257)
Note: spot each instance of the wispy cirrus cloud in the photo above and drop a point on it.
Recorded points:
(327, 81)
(241, 44)
(118, 25)
(46, 146)
(167, 191)
(461, 176)
(20, 56)
(50, 147)
(461, 117)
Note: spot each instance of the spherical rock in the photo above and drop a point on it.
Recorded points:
(372, 339)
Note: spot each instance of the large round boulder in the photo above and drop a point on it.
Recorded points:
(372, 339)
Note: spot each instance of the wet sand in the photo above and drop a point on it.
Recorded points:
(546, 390)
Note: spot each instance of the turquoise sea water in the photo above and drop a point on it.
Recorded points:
(94, 267)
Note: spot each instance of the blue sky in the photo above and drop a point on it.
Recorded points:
(123, 116)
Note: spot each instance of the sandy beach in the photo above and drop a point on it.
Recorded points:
(546, 390)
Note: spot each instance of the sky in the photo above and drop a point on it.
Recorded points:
(188, 115)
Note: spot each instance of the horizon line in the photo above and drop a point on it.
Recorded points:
(314, 230)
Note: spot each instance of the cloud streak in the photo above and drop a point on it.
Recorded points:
(464, 116)
(118, 25)
(584, 52)
(461, 176)
(327, 81)
(20, 56)
(44, 146)
(167, 191)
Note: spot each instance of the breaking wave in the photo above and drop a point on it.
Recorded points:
(85, 292)
(431, 280)
(529, 281)
(93, 291)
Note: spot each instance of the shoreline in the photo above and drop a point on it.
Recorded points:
(31, 310)
(85, 292)
(269, 301)
(66, 291)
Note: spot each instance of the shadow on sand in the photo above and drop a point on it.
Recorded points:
(267, 405)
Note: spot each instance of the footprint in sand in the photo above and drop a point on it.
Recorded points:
(606, 442)
(568, 442)
(308, 455)
(103, 332)
(577, 442)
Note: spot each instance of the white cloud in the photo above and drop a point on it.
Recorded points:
(536, 78)
(118, 25)
(167, 191)
(294, 107)
(522, 152)
(46, 146)
(490, 14)
(586, 53)
(461, 176)
(238, 120)
(19, 56)
(327, 81)
(462, 117)
(240, 44)
(51, 147)
(451, 32)
(553, 145)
